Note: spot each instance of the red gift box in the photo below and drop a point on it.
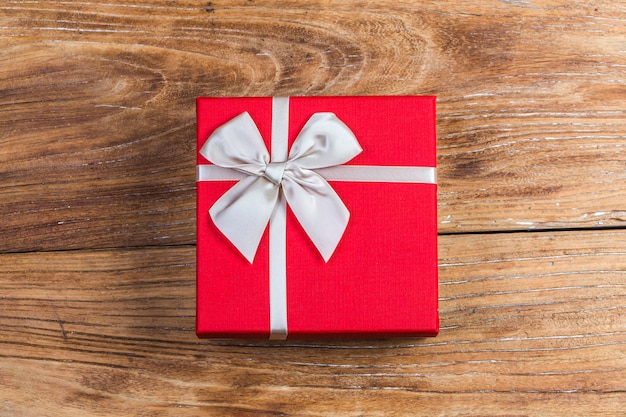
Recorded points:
(381, 280)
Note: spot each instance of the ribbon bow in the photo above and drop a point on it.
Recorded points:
(244, 211)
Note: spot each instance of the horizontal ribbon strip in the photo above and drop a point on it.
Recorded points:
(348, 173)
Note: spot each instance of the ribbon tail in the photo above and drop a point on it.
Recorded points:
(243, 212)
(319, 210)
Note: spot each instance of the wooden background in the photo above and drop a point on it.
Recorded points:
(97, 205)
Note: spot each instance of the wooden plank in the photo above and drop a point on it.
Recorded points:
(97, 105)
(533, 324)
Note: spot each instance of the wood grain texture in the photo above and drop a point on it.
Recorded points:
(533, 324)
(97, 105)
(97, 205)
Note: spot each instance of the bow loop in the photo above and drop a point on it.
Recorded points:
(324, 141)
(243, 212)
(237, 144)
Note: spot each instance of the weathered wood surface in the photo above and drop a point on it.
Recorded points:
(97, 204)
(533, 324)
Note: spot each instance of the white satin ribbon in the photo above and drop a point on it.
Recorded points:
(244, 211)
(278, 227)
(266, 185)
(346, 173)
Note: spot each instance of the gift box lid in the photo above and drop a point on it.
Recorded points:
(381, 280)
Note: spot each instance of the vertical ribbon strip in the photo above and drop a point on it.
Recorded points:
(299, 178)
(278, 226)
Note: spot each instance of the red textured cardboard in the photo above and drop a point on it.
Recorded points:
(382, 279)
